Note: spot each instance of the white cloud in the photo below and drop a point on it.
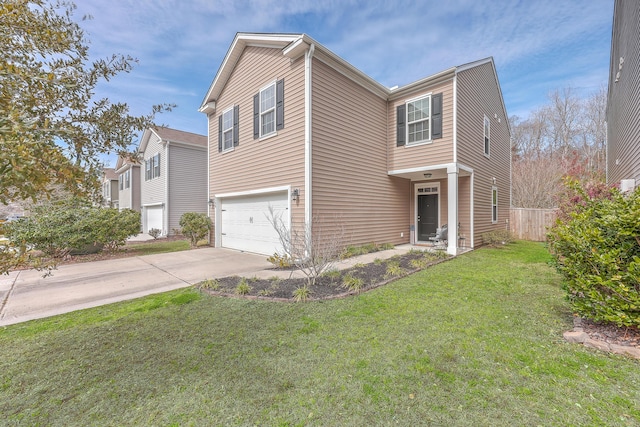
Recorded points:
(538, 45)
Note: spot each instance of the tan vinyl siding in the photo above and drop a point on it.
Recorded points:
(623, 107)
(478, 95)
(350, 181)
(464, 210)
(271, 162)
(187, 183)
(440, 151)
(153, 190)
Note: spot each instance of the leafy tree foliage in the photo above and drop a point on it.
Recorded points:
(596, 246)
(564, 138)
(61, 227)
(195, 226)
(52, 130)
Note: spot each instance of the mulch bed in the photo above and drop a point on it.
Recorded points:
(611, 334)
(330, 285)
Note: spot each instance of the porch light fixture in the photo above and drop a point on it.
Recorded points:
(295, 195)
(427, 175)
(210, 202)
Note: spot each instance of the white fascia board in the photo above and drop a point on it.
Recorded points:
(421, 169)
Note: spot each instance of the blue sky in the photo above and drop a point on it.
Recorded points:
(538, 45)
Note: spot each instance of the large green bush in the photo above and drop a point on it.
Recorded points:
(61, 227)
(596, 246)
(195, 226)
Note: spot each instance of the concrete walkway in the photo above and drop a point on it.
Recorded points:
(26, 295)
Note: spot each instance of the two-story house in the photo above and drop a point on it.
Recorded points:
(128, 172)
(110, 188)
(173, 177)
(296, 130)
(623, 100)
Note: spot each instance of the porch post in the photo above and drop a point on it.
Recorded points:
(452, 218)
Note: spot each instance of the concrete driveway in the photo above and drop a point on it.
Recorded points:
(26, 295)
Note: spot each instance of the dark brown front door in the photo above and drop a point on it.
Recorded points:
(427, 216)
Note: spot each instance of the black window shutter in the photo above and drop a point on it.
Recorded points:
(256, 116)
(220, 133)
(436, 116)
(401, 125)
(280, 104)
(236, 125)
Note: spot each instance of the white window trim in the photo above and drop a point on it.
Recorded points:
(406, 118)
(127, 179)
(494, 220)
(262, 113)
(225, 130)
(486, 146)
(156, 164)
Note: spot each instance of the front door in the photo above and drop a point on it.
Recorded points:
(427, 216)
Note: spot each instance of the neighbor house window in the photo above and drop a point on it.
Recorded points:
(120, 181)
(494, 204)
(127, 179)
(152, 167)
(227, 130)
(268, 110)
(487, 135)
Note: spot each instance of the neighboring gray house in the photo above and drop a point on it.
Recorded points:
(128, 172)
(173, 177)
(110, 189)
(623, 104)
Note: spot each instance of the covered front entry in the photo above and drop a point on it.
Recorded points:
(441, 195)
(244, 221)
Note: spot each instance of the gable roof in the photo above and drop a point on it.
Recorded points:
(166, 134)
(295, 45)
(109, 174)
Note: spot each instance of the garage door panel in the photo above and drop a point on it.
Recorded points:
(245, 222)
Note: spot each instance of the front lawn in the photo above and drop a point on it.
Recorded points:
(473, 341)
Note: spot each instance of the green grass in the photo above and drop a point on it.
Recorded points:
(473, 341)
(158, 247)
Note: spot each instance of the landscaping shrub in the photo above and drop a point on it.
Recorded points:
(596, 246)
(195, 226)
(73, 225)
(155, 232)
(497, 237)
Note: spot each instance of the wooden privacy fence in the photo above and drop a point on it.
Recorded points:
(531, 224)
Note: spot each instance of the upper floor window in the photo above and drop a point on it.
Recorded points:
(419, 120)
(227, 129)
(152, 167)
(124, 179)
(487, 135)
(268, 110)
(106, 189)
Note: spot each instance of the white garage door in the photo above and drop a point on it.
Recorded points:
(245, 225)
(153, 217)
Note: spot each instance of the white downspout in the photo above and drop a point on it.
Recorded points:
(307, 134)
(165, 213)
